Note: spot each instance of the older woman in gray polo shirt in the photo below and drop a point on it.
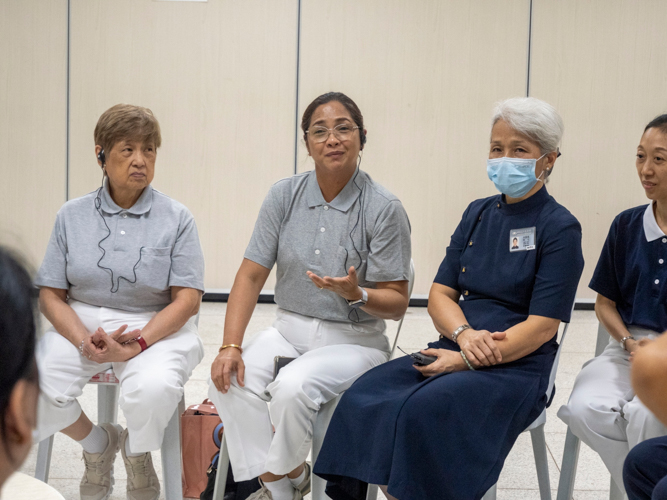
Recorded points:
(121, 281)
(341, 243)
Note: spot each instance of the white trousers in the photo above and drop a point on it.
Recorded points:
(604, 412)
(151, 383)
(326, 364)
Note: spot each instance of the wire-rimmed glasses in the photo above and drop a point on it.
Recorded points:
(342, 132)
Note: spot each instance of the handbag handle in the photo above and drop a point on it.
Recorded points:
(217, 434)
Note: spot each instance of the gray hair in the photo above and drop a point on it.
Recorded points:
(534, 118)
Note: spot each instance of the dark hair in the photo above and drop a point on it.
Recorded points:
(659, 122)
(349, 104)
(17, 330)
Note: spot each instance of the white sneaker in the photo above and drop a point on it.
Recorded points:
(142, 481)
(97, 482)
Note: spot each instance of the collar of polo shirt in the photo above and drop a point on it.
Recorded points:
(142, 205)
(651, 229)
(345, 198)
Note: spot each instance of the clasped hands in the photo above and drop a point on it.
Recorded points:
(479, 346)
(633, 345)
(347, 286)
(107, 348)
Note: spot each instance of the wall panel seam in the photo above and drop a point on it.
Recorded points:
(530, 40)
(67, 97)
(298, 69)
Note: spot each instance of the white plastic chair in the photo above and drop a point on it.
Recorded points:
(568, 468)
(536, 430)
(319, 431)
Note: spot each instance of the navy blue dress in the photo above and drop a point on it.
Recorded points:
(447, 436)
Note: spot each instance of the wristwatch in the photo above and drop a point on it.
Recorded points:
(356, 304)
(459, 331)
(624, 340)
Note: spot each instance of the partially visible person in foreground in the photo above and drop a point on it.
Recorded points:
(19, 385)
(442, 431)
(630, 281)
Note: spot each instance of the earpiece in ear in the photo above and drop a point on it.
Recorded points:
(102, 158)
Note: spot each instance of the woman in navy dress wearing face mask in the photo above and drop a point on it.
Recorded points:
(443, 430)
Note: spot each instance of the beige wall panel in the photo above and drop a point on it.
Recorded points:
(33, 111)
(220, 77)
(425, 74)
(603, 65)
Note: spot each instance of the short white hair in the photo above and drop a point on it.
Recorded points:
(534, 118)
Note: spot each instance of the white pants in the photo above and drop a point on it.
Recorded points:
(151, 383)
(326, 364)
(604, 412)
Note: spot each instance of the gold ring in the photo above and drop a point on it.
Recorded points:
(321, 287)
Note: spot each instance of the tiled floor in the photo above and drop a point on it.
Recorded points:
(518, 480)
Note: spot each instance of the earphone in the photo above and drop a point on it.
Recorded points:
(102, 158)
(362, 196)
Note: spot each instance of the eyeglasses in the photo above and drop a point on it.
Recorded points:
(342, 132)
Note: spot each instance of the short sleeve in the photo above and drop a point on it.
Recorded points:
(53, 271)
(448, 272)
(187, 258)
(263, 246)
(604, 280)
(559, 269)
(390, 249)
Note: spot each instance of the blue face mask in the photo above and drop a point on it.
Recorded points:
(513, 176)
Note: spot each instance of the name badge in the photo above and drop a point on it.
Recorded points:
(522, 239)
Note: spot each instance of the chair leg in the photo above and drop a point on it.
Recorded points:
(491, 494)
(568, 469)
(44, 459)
(541, 461)
(372, 492)
(615, 492)
(171, 456)
(107, 403)
(223, 467)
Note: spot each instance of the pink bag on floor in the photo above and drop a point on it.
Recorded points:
(197, 425)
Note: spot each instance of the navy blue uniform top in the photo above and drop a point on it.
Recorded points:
(632, 270)
(501, 288)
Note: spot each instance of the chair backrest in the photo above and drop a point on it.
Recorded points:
(554, 367)
(411, 284)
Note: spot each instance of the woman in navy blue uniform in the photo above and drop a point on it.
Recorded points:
(443, 430)
(603, 410)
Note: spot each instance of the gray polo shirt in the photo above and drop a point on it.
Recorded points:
(364, 226)
(162, 230)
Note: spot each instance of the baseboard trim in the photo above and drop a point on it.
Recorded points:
(267, 298)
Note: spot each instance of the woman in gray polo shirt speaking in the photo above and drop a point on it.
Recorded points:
(341, 243)
(121, 282)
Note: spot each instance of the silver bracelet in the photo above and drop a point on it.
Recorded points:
(467, 362)
(624, 339)
(81, 347)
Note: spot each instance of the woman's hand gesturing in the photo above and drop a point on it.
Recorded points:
(347, 286)
(228, 361)
(480, 346)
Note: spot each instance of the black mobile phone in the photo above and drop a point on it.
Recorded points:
(279, 362)
(422, 359)
(419, 359)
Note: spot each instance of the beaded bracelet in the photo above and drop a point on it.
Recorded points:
(466, 360)
(81, 346)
